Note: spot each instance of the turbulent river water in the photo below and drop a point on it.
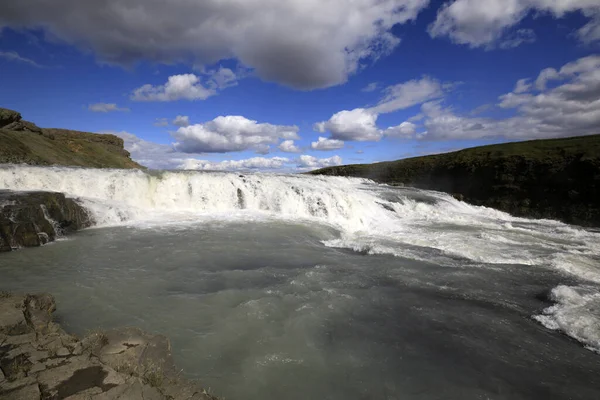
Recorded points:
(306, 287)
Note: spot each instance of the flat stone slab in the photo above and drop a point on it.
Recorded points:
(38, 360)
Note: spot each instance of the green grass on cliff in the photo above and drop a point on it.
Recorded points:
(556, 178)
(63, 147)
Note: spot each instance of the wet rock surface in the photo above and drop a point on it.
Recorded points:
(39, 360)
(30, 219)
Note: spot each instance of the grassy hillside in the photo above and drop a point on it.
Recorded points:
(557, 178)
(24, 142)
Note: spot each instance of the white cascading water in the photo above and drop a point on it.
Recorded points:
(371, 218)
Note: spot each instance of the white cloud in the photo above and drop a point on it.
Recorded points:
(288, 146)
(181, 120)
(359, 125)
(522, 86)
(546, 75)
(304, 44)
(310, 162)
(221, 78)
(178, 87)
(164, 156)
(570, 108)
(404, 130)
(105, 107)
(302, 163)
(408, 94)
(150, 154)
(371, 87)
(255, 163)
(590, 32)
(161, 122)
(14, 56)
(231, 133)
(485, 23)
(517, 38)
(326, 144)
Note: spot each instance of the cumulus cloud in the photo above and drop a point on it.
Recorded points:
(546, 75)
(221, 78)
(231, 133)
(255, 163)
(165, 156)
(522, 85)
(408, 94)
(288, 146)
(150, 154)
(404, 130)
(178, 87)
(355, 125)
(486, 23)
(310, 162)
(302, 163)
(304, 44)
(106, 107)
(181, 120)
(325, 144)
(360, 124)
(570, 108)
(14, 56)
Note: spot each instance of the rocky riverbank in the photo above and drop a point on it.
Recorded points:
(30, 219)
(39, 360)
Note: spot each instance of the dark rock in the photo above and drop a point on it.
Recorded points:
(8, 117)
(30, 219)
(551, 178)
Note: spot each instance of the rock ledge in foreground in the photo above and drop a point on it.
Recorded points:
(38, 360)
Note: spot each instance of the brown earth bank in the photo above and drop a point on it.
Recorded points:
(24, 142)
(29, 219)
(552, 178)
(40, 361)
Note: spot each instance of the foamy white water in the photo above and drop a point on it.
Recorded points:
(370, 218)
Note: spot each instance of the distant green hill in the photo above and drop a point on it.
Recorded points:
(555, 178)
(24, 142)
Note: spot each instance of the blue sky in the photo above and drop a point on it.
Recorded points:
(256, 83)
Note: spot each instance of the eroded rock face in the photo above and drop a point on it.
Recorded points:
(38, 360)
(8, 117)
(34, 218)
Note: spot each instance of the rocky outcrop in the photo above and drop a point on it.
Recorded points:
(24, 142)
(39, 360)
(34, 218)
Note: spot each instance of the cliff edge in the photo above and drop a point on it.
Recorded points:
(24, 142)
(553, 178)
